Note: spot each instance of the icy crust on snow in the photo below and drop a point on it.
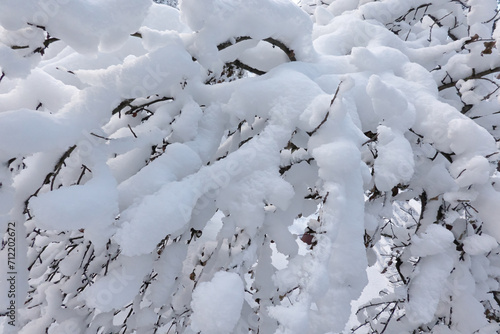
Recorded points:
(217, 304)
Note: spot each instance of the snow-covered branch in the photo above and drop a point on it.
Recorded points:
(250, 166)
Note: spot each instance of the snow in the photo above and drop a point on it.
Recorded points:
(146, 223)
(161, 18)
(427, 286)
(434, 240)
(475, 170)
(86, 28)
(487, 204)
(480, 12)
(187, 208)
(217, 304)
(336, 159)
(66, 208)
(32, 132)
(169, 270)
(390, 105)
(186, 126)
(434, 177)
(479, 244)
(177, 162)
(120, 285)
(255, 19)
(469, 313)
(466, 138)
(394, 163)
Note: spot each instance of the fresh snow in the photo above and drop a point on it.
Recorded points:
(271, 166)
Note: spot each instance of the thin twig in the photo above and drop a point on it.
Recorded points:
(390, 317)
(289, 52)
(128, 103)
(98, 136)
(59, 165)
(227, 44)
(84, 168)
(247, 67)
(478, 75)
(282, 46)
(327, 113)
(130, 128)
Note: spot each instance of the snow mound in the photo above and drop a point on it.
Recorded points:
(217, 304)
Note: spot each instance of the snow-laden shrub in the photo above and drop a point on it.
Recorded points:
(250, 166)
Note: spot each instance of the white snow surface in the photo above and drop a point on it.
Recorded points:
(217, 304)
(479, 244)
(149, 174)
(434, 240)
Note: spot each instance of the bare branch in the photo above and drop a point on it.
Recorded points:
(440, 25)
(130, 128)
(289, 52)
(128, 103)
(328, 112)
(282, 46)
(227, 44)
(254, 70)
(478, 75)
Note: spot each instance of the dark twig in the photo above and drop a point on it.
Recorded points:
(478, 75)
(60, 164)
(84, 169)
(327, 113)
(290, 53)
(390, 317)
(227, 44)
(440, 25)
(122, 105)
(98, 136)
(282, 46)
(128, 103)
(130, 128)
(49, 178)
(246, 67)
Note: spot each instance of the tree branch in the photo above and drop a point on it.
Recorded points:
(239, 64)
(227, 44)
(128, 103)
(478, 75)
(282, 46)
(50, 178)
(327, 113)
(289, 52)
(440, 25)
